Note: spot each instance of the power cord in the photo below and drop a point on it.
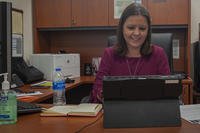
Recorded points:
(84, 127)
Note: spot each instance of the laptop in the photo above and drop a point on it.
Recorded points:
(141, 101)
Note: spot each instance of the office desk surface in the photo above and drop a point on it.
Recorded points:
(81, 80)
(35, 124)
(48, 93)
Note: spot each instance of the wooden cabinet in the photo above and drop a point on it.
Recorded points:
(163, 12)
(112, 21)
(171, 12)
(89, 13)
(187, 91)
(78, 13)
(52, 13)
(70, 13)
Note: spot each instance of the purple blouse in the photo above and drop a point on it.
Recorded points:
(114, 65)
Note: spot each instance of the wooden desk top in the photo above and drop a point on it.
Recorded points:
(81, 80)
(187, 81)
(48, 93)
(35, 124)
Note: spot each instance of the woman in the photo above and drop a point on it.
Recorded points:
(133, 54)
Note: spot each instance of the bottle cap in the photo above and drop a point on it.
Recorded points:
(58, 69)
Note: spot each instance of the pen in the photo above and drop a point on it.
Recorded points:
(38, 83)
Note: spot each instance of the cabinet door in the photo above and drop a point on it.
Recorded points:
(168, 11)
(89, 13)
(112, 20)
(52, 13)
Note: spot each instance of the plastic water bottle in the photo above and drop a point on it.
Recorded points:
(58, 88)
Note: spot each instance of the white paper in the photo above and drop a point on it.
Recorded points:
(62, 109)
(29, 94)
(95, 64)
(17, 45)
(120, 5)
(176, 49)
(191, 113)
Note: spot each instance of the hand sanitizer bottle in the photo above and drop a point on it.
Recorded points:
(8, 103)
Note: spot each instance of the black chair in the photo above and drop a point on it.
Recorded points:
(163, 40)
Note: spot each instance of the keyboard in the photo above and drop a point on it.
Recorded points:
(26, 108)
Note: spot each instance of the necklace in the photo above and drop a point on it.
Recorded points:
(136, 67)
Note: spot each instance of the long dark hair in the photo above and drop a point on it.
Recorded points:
(133, 9)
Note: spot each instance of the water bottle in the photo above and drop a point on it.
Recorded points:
(58, 88)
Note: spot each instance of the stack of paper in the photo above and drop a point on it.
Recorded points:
(29, 94)
(191, 113)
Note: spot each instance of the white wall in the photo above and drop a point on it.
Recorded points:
(26, 7)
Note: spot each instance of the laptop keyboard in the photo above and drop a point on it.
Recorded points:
(25, 107)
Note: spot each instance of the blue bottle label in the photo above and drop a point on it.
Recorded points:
(4, 110)
(59, 85)
(2, 116)
(8, 107)
(3, 99)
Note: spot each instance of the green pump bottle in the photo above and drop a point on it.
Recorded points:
(8, 103)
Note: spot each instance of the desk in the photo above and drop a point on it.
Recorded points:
(35, 124)
(48, 93)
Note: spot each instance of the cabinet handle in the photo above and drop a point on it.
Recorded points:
(73, 22)
(159, 1)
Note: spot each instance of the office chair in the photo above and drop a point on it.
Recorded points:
(163, 40)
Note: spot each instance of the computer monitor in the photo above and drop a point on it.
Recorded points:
(5, 39)
(141, 101)
(147, 87)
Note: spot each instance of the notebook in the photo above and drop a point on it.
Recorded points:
(83, 109)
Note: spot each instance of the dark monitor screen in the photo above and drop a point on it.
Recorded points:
(142, 87)
(5, 39)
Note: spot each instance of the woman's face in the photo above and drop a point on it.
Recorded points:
(135, 30)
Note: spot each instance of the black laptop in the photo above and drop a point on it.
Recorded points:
(141, 101)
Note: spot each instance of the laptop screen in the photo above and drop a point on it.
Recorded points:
(147, 87)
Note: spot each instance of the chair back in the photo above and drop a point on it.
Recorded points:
(164, 40)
